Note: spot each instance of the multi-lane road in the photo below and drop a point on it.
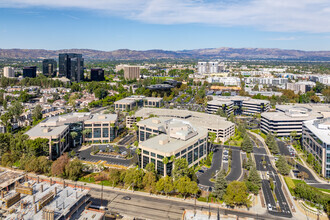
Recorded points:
(156, 207)
(263, 164)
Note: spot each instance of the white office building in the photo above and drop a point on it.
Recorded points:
(288, 118)
(316, 140)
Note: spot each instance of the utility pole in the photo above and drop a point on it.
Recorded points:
(101, 192)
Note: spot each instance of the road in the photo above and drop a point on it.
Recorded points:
(204, 179)
(126, 140)
(269, 198)
(140, 206)
(236, 166)
(283, 148)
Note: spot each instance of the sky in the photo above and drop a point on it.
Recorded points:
(164, 24)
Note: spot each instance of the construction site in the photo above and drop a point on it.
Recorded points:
(35, 198)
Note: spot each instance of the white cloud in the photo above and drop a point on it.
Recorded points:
(284, 38)
(311, 16)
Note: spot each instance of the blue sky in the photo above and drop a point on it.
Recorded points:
(164, 24)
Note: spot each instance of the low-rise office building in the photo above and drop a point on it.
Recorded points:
(316, 140)
(175, 138)
(213, 123)
(135, 101)
(102, 128)
(67, 130)
(289, 118)
(244, 105)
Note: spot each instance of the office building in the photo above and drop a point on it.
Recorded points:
(30, 71)
(316, 140)
(102, 128)
(71, 66)
(238, 105)
(136, 101)
(300, 87)
(49, 67)
(289, 118)
(175, 138)
(222, 128)
(98, 128)
(131, 72)
(8, 72)
(97, 74)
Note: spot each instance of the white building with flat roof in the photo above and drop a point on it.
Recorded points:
(213, 123)
(8, 72)
(288, 118)
(174, 138)
(316, 140)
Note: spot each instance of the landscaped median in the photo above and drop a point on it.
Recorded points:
(312, 197)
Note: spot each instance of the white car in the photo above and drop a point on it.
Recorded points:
(270, 207)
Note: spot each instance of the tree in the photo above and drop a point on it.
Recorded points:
(58, 166)
(254, 181)
(100, 93)
(282, 166)
(220, 185)
(165, 185)
(5, 120)
(73, 169)
(180, 168)
(150, 167)
(114, 176)
(134, 178)
(293, 135)
(37, 113)
(149, 181)
(185, 186)
(237, 194)
(303, 175)
(247, 145)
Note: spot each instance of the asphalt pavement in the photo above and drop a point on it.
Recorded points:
(204, 179)
(155, 207)
(236, 166)
(85, 155)
(283, 148)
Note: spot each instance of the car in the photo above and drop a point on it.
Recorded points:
(270, 207)
(201, 171)
(126, 198)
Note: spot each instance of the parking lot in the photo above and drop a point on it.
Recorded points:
(86, 155)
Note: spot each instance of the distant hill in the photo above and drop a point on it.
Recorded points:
(211, 53)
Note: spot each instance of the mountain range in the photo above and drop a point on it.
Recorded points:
(206, 54)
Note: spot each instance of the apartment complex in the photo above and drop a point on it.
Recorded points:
(316, 140)
(213, 123)
(59, 130)
(288, 118)
(131, 72)
(175, 138)
(8, 72)
(135, 101)
(237, 105)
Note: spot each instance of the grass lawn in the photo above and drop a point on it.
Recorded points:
(236, 140)
(257, 131)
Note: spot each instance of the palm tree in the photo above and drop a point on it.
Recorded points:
(138, 152)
